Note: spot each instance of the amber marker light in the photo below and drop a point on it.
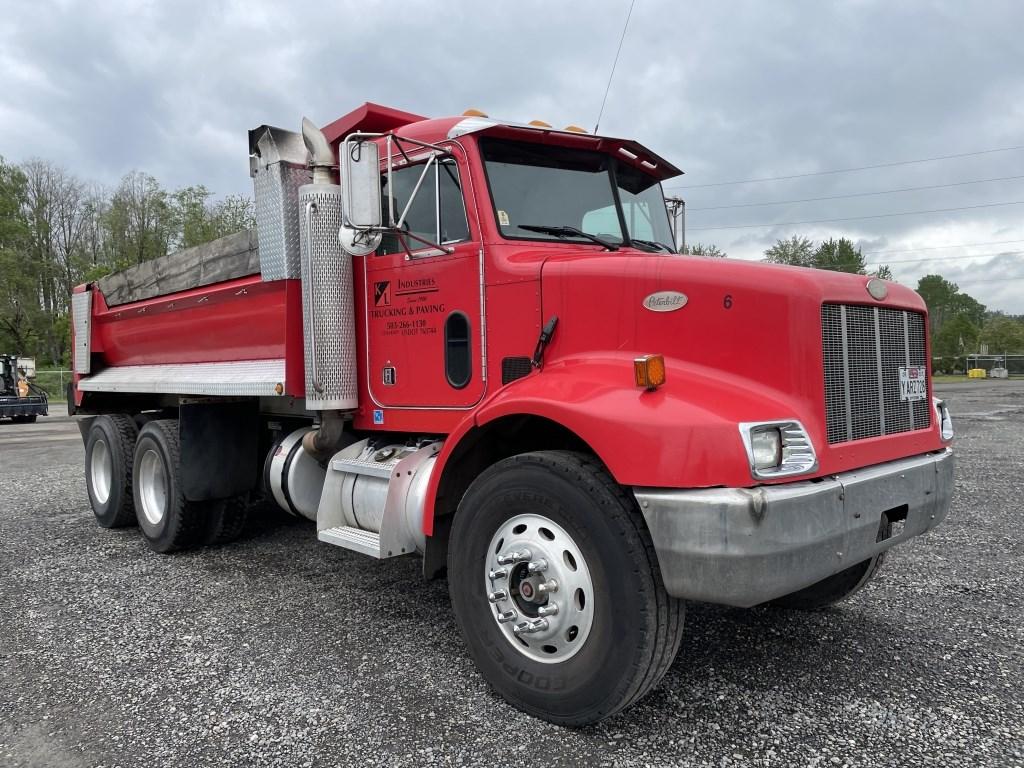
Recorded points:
(539, 124)
(474, 113)
(649, 371)
(575, 129)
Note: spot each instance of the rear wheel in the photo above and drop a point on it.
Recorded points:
(168, 522)
(109, 449)
(226, 519)
(556, 588)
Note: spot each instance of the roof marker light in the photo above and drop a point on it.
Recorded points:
(471, 112)
(539, 124)
(575, 129)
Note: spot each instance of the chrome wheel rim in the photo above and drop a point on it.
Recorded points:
(152, 486)
(539, 588)
(101, 471)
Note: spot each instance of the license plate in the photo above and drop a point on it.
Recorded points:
(913, 383)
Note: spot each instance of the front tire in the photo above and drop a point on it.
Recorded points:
(603, 631)
(168, 522)
(109, 451)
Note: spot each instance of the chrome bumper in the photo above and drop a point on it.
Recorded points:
(745, 546)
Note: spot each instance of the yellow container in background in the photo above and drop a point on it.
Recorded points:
(976, 373)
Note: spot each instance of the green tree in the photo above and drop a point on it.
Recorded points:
(1003, 335)
(958, 336)
(945, 301)
(140, 221)
(883, 272)
(836, 255)
(796, 251)
(839, 256)
(19, 302)
(700, 249)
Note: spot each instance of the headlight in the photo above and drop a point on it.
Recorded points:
(944, 419)
(765, 447)
(778, 448)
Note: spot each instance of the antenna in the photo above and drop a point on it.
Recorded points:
(616, 61)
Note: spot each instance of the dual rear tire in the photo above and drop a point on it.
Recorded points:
(134, 476)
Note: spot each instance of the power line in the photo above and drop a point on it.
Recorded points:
(941, 247)
(948, 258)
(616, 61)
(849, 170)
(860, 218)
(855, 194)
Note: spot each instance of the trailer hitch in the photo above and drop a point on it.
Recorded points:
(545, 337)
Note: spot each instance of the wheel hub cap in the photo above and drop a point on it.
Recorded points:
(101, 471)
(152, 486)
(539, 587)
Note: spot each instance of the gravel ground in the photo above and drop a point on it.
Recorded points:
(278, 650)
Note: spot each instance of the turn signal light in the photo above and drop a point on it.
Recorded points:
(474, 113)
(649, 371)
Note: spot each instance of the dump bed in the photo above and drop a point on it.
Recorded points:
(200, 321)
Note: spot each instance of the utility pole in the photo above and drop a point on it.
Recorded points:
(677, 215)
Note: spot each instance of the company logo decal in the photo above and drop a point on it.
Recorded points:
(382, 294)
(665, 301)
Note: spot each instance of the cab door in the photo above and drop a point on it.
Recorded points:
(424, 313)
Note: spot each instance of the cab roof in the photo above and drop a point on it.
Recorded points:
(375, 118)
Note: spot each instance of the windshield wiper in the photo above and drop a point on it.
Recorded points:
(652, 244)
(568, 232)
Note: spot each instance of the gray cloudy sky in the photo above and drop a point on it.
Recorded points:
(726, 90)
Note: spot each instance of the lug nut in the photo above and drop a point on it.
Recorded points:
(547, 586)
(516, 556)
(507, 616)
(529, 627)
(537, 566)
(501, 573)
(497, 596)
(548, 610)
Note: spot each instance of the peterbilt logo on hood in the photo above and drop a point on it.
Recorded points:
(665, 301)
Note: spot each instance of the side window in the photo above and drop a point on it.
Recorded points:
(603, 221)
(437, 213)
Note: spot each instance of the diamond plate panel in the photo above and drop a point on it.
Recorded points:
(242, 378)
(81, 319)
(327, 302)
(863, 349)
(276, 188)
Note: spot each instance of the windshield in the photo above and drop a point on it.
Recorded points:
(556, 188)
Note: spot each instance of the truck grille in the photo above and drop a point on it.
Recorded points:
(863, 349)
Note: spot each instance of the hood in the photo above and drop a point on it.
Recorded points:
(721, 324)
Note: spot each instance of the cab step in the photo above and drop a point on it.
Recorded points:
(355, 539)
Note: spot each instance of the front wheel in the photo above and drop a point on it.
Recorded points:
(556, 587)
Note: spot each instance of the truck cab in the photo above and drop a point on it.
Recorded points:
(474, 340)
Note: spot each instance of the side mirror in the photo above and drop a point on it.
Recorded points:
(360, 179)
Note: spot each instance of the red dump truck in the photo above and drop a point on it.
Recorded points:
(473, 340)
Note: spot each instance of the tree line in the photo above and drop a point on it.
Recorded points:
(57, 231)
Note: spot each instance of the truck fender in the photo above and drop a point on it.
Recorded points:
(682, 435)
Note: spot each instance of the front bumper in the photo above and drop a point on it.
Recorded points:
(745, 546)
